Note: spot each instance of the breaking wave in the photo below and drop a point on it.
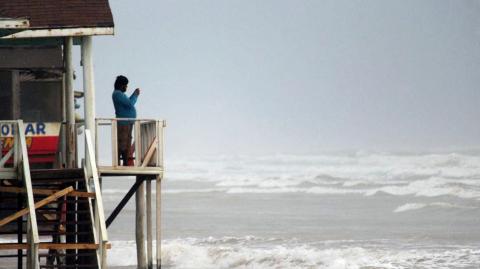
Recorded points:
(250, 252)
(417, 206)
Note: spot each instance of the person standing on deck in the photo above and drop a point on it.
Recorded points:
(124, 108)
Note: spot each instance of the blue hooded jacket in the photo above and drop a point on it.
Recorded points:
(124, 106)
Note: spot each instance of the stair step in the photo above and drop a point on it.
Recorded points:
(84, 201)
(76, 266)
(46, 192)
(49, 211)
(56, 222)
(60, 254)
(55, 183)
(64, 173)
(7, 246)
(53, 220)
(46, 232)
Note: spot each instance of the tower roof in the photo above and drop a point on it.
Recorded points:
(59, 14)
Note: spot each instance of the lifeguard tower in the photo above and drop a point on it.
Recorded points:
(51, 208)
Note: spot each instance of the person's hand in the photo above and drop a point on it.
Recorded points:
(137, 91)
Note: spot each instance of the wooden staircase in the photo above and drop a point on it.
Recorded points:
(65, 217)
(50, 218)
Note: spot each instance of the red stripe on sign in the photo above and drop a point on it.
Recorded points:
(43, 145)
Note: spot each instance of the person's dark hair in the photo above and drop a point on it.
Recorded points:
(120, 82)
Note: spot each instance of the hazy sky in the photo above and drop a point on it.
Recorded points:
(297, 76)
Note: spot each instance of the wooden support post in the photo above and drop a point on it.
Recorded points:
(158, 215)
(29, 247)
(138, 143)
(89, 90)
(19, 233)
(16, 151)
(149, 225)
(140, 226)
(71, 133)
(16, 93)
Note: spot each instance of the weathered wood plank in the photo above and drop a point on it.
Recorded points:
(31, 57)
(151, 149)
(38, 174)
(129, 170)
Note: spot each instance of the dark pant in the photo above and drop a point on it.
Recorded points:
(124, 136)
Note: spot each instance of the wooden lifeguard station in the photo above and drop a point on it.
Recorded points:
(51, 208)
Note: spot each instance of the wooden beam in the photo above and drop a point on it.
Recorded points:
(31, 57)
(61, 32)
(6, 246)
(37, 205)
(48, 192)
(129, 170)
(151, 150)
(123, 202)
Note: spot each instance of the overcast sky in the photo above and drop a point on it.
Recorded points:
(298, 76)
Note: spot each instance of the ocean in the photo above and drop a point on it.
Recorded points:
(349, 210)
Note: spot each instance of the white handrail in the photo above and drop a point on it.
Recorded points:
(33, 238)
(99, 213)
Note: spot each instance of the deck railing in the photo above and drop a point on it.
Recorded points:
(147, 145)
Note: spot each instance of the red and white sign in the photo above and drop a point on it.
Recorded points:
(42, 140)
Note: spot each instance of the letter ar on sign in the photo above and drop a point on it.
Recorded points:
(34, 128)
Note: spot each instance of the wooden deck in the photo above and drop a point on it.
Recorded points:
(129, 171)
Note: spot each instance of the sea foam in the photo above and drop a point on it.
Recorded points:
(417, 206)
(426, 175)
(251, 253)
